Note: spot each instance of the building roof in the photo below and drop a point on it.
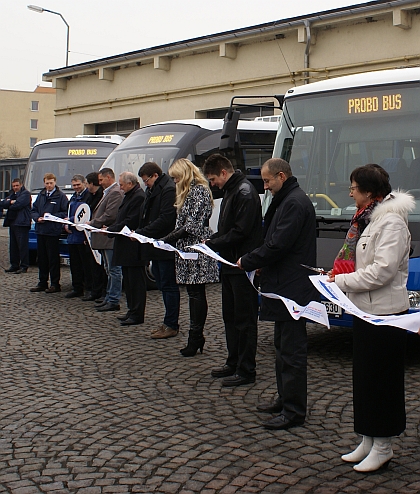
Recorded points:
(232, 36)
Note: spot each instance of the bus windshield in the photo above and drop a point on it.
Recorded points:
(325, 136)
(64, 159)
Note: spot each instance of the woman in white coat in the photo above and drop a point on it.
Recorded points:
(372, 268)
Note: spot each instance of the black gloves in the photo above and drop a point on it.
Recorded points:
(174, 236)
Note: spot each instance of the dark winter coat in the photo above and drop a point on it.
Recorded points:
(18, 213)
(126, 251)
(240, 222)
(56, 204)
(158, 216)
(76, 236)
(290, 241)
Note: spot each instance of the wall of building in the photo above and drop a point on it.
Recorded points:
(16, 115)
(191, 78)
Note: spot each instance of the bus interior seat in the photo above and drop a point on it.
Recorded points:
(398, 172)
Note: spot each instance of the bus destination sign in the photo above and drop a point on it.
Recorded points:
(370, 104)
(160, 139)
(82, 152)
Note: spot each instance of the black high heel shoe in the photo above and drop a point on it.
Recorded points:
(191, 349)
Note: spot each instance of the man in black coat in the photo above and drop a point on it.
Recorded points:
(289, 242)
(239, 231)
(157, 219)
(18, 219)
(127, 253)
(50, 200)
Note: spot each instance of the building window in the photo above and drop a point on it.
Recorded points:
(34, 124)
(32, 141)
(34, 105)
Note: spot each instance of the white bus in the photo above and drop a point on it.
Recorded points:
(329, 128)
(65, 157)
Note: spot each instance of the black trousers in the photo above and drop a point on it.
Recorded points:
(291, 346)
(49, 260)
(135, 291)
(19, 246)
(98, 275)
(240, 315)
(81, 278)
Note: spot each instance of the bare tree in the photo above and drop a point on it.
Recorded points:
(13, 151)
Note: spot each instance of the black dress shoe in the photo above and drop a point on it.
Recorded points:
(281, 422)
(123, 317)
(101, 304)
(99, 300)
(130, 322)
(88, 298)
(274, 407)
(11, 270)
(224, 371)
(237, 380)
(73, 294)
(21, 271)
(108, 307)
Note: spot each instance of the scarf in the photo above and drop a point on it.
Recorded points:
(345, 260)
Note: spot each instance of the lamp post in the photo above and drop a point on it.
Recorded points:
(40, 10)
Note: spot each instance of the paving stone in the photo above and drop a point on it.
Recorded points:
(88, 407)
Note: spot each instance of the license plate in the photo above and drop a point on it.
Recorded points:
(332, 309)
(65, 261)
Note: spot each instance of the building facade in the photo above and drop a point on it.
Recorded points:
(25, 118)
(197, 78)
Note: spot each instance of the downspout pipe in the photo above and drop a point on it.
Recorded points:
(308, 46)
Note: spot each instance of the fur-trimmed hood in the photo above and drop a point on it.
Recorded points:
(397, 202)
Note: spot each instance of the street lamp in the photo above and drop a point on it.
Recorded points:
(40, 10)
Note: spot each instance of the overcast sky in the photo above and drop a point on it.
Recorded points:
(33, 43)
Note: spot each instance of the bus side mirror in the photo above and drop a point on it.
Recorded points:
(228, 137)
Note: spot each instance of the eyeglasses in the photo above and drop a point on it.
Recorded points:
(352, 187)
(267, 180)
(147, 179)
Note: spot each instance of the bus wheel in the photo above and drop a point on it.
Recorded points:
(150, 279)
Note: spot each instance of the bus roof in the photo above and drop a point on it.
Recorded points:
(217, 123)
(116, 139)
(358, 80)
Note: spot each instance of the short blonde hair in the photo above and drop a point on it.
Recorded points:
(186, 173)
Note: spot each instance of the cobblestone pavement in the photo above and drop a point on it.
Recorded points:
(89, 407)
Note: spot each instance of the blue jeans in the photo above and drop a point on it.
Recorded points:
(164, 273)
(114, 286)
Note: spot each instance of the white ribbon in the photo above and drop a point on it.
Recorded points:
(410, 322)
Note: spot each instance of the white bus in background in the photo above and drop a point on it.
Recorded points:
(329, 128)
(196, 140)
(65, 157)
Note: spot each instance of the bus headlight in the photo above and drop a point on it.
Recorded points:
(414, 299)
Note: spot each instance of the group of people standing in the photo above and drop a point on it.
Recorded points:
(176, 207)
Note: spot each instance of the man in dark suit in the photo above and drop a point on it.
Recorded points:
(50, 200)
(127, 253)
(18, 219)
(157, 219)
(103, 216)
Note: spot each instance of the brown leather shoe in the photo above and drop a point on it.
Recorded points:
(37, 289)
(164, 332)
(53, 289)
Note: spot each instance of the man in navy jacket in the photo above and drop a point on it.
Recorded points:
(18, 219)
(81, 278)
(50, 200)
